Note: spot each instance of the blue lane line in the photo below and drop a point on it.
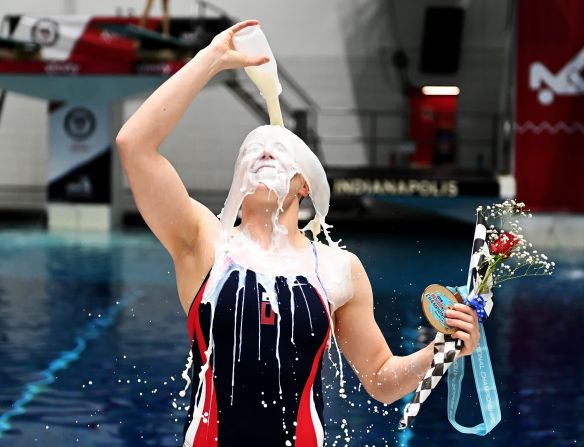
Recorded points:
(94, 329)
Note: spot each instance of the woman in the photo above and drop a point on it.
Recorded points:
(263, 301)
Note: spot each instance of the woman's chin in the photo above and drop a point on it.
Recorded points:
(264, 191)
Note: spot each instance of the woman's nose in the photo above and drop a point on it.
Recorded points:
(267, 155)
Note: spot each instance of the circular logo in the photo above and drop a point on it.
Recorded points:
(45, 32)
(79, 123)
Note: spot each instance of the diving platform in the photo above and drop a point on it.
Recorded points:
(147, 37)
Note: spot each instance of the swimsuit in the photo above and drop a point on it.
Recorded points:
(262, 385)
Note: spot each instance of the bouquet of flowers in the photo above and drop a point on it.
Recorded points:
(509, 255)
(500, 253)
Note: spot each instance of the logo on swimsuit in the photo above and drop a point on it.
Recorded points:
(266, 314)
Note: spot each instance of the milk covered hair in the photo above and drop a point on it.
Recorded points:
(297, 158)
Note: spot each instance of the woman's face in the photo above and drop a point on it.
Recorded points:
(269, 163)
(271, 170)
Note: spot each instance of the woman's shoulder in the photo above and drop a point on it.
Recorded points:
(335, 269)
(337, 255)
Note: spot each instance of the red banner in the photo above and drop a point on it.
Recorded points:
(549, 127)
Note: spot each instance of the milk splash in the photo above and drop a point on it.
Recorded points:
(270, 157)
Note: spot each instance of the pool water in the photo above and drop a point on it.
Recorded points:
(93, 342)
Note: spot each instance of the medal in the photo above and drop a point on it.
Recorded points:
(436, 299)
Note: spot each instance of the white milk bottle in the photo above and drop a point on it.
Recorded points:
(252, 41)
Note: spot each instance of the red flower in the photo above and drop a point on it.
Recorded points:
(504, 244)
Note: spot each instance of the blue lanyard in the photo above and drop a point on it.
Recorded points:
(484, 381)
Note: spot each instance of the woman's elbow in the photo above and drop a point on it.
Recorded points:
(381, 395)
(123, 140)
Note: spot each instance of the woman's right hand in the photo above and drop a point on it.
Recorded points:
(224, 53)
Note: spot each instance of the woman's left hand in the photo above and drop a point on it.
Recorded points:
(465, 319)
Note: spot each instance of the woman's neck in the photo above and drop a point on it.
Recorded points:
(258, 225)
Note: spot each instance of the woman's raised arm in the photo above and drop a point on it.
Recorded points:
(178, 221)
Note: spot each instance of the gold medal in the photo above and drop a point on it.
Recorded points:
(436, 299)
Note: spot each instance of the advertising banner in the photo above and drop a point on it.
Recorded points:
(549, 127)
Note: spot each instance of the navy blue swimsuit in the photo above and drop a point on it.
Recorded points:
(260, 388)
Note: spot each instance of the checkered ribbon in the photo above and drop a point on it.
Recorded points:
(446, 350)
(482, 303)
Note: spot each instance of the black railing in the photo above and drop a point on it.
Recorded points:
(369, 133)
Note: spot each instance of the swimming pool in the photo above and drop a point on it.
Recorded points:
(93, 341)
